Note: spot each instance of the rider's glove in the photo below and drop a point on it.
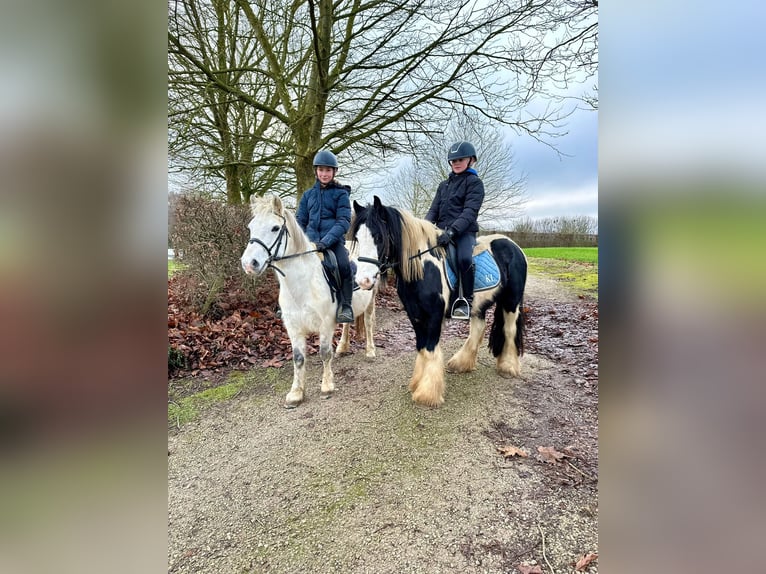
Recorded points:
(446, 237)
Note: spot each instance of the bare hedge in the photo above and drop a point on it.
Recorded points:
(209, 237)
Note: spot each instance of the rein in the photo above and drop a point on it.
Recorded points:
(421, 253)
(382, 266)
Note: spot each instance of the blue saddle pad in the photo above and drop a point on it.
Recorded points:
(486, 274)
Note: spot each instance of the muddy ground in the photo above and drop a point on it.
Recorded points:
(370, 482)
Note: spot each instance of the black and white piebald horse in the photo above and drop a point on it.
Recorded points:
(408, 245)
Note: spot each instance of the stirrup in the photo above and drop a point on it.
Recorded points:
(461, 309)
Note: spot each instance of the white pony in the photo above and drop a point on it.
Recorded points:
(278, 242)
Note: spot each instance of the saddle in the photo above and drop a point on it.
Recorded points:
(486, 272)
(332, 273)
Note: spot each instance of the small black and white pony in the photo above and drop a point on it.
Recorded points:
(278, 242)
(408, 245)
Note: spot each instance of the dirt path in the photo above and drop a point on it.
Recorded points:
(369, 482)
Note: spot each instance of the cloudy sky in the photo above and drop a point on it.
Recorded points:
(561, 185)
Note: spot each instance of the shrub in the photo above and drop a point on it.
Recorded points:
(211, 236)
(176, 360)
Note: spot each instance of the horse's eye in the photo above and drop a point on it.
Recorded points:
(275, 228)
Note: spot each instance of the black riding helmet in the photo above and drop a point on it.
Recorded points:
(461, 149)
(326, 158)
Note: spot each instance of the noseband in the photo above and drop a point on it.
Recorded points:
(382, 266)
(271, 250)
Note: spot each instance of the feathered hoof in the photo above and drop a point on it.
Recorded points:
(460, 366)
(509, 369)
(326, 394)
(427, 399)
(293, 400)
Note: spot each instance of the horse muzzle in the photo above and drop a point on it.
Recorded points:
(252, 266)
(366, 283)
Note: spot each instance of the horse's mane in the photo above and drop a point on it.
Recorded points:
(273, 205)
(412, 235)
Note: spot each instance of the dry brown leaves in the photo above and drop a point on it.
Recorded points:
(585, 561)
(511, 451)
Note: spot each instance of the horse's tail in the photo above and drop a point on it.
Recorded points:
(513, 272)
(520, 328)
(497, 334)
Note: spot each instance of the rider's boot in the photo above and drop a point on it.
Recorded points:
(345, 313)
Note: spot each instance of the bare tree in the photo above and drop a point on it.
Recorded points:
(213, 133)
(368, 79)
(414, 185)
(577, 224)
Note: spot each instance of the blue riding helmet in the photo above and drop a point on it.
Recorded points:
(460, 150)
(325, 157)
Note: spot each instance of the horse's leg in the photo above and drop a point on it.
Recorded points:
(429, 389)
(369, 328)
(427, 382)
(325, 353)
(464, 360)
(508, 359)
(343, 344)
(295, 396)
(417, 373)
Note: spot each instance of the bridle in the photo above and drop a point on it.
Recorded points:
(276, 245)
(382, 266)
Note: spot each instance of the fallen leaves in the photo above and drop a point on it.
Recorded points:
(549, 454)
(585, 561)
(527, 569)
(511, 451)
(246, 331)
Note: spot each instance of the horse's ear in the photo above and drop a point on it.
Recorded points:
(378, 207)
(254, 199)
(357, 206)
(276, 204)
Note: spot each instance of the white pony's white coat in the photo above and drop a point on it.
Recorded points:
(304, 295)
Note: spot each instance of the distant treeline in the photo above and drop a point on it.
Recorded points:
(526, 239)
(566, 231)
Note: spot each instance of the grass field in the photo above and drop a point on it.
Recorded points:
(583, 254)
(575, 266)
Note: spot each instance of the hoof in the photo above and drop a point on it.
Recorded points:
(291, 403)
(326, 395)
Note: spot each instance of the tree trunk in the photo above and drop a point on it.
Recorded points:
(304, 173)
(233, 185)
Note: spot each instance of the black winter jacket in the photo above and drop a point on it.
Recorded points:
(325, 213)
(457, 202)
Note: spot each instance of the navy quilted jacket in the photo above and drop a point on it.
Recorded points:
(325, 213)
(457, 202)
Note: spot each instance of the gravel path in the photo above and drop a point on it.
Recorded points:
(370, 482)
